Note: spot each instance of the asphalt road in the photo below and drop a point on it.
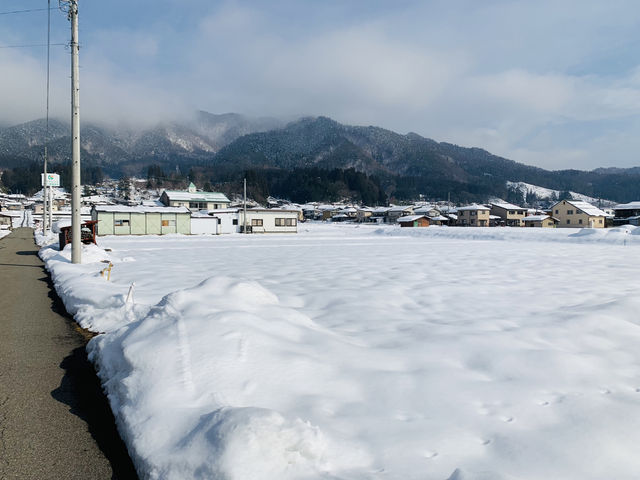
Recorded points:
(55, 423)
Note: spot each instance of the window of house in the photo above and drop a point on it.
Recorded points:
(512, 212)
(235, 221)
(599, 220)
(256, 222)
(168, 223)
(286, 222)
(472, 213)
(568, 221)
(580, 221)
(557, 211)
(569, 212)
(121, 223)
(198, 205)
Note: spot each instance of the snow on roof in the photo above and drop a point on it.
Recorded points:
(400, 208)
(536, 218)
(628, 206)
(197, 196)
(380, 210)
(140, 209)
(495, 217)
(439, 218)
(507, 206)
(410, 218)
(473, 207)
(588, 208)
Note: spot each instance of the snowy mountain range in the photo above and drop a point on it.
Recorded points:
(222, 145)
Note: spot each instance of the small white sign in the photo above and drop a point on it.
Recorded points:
(53, 179)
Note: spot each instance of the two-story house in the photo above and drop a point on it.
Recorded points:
(473, 216)
(510, 215)
(194, 200)
(578, 214)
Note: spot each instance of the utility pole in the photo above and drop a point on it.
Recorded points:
(44, 191)
(76, 234)
(245, 207)
(46, 139)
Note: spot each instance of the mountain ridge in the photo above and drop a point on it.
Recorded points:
(221, 146)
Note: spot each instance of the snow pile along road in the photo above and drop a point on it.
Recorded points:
(220, 349)
(368, 353)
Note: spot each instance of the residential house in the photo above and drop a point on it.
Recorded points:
(379, 215)
(578, 214)
(541, 221)
(364, 214)
(265, 220)
(473, 216)
(627, 213)
(509, 215)
(413, 221)
(6, 219)
(329, 211)
(439, 220)
(397, 211)
(194, 200)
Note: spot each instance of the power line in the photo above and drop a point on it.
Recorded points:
(26, 11)
(32, 45)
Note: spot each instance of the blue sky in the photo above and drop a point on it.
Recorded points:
(549, 83)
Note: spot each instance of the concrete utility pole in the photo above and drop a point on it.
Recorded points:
(76, 234)
(44, 192)
(245, 207)
(46, 139)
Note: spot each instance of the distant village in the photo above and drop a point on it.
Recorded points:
(136, 210)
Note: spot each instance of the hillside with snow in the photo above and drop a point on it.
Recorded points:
(549, 194)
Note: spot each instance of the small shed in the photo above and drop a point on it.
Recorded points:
(87, 233)
(540, 221)
(214, 222)
(413, 221)
(140, 220)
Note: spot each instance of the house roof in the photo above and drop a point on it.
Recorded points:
(536, 218)
(181, 195)
(473, 207)
(507, 206)
(400, 208)
(588, 208)
(410, 218)
(628, 206)
(139, 209)
(380, 210)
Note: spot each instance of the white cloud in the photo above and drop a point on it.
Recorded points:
(526, 80)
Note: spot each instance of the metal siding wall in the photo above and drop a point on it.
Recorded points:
(138, 224)
(183, 223)
(105, 223)
(154, 224)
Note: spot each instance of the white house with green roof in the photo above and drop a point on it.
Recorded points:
(194, 200)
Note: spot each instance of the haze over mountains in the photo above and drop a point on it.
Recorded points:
(407, 165)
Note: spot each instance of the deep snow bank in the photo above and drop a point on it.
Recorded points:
(184, 382)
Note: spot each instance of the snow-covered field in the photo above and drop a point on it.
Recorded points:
(369, 353)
